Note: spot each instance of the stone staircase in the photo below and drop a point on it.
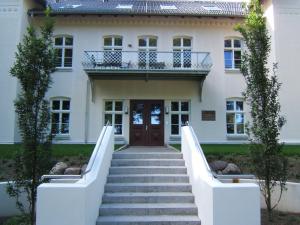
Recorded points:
(148, 186)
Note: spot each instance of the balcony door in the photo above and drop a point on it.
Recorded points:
(147, 52)
(147, 122)
(182, 56)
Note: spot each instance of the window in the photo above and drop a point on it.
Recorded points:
(147, 52)
(180, 111)
(235, 117)
(232, 53)
(64, 51)
(182, 47)
(113, 50)
(60, 116)
(113, 113)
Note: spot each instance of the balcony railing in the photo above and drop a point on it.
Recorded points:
(147, 61)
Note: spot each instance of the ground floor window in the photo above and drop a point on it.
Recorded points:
(113, 113)
(180, 113)
(60, 116)
(235, 121)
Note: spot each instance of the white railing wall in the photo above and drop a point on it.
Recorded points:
(218, 203)
(78, 203)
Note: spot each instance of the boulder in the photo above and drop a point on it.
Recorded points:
(231, 168)
(58, 169)
(218, 165)
(83, 168)
(72, 171)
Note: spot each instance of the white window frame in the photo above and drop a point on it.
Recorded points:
(113, 112)
(63, 47)
(182, 49)
(179, 113)
(60, 111)
(233, 50)
(235, 112)
(113, 46)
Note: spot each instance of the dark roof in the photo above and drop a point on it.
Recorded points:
(145, 7)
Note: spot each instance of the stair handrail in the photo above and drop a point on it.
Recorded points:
(90, 164)
(196, 141)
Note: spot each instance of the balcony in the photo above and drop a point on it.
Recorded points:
(147, 64)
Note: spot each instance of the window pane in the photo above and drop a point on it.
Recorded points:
(65, 118)
(68, 62)
(237, 59)
(175, 129)
(68, 52)
(118, 41)
(184, 119)
(118, 119)
(229, 105)
(174, 106)
(59, 41)
(155, 120)
(55, 118)
(185, 106)
(108, 106)
(187, 42)
(137, 117)
(54, 128)
(152, 42)
(108, 41)
(227, 43)
(228, 58)
(155, 109)
(66, 105)
(55, 104)
(69, 41)
(58, 57)
(240, 128)
(230, 129)
(175, 119)
(118, 129)
(239, 106)
(237, 43)
(177, 42)
(64, 128)
(230, 118)
(118, 106)
(239, 117)
(142, 42)
(108, 118)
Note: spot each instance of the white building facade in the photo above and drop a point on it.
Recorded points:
(147, 68)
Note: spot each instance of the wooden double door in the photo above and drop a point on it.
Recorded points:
(147, 122)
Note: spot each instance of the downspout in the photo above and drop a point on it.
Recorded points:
(87, 111)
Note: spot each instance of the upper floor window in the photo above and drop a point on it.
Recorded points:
(182, 47)
(235, 117)
(113, 113)
(232, 53)
(180, 111)
(60, 115)
(64, 51)
(113, 51)
(147, 52)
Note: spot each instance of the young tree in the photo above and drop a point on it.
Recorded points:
(262, 95)
(33, 66)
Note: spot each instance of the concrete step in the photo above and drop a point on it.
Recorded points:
(148, 187)
(147, 170)
(154, 197)
(148, 209)
(147, 155)
(148, 178)
(147, 162)
(148, 220)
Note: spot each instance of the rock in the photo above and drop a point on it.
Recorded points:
(72, 171)
(58, 169)
(218, 165)
(83, 168)
(231, 168)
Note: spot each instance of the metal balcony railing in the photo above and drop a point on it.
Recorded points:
(147, 60)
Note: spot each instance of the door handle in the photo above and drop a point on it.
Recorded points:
(146, 127)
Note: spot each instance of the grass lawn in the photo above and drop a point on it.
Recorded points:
(59, 150)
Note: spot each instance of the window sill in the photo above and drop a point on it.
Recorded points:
(237, 136)
(64, 69)
(59, 137)
(234, 71)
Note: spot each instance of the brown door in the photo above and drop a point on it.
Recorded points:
(147, 122)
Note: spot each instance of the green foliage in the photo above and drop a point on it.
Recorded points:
(18, 220)
(261, 94)
(35, 61)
